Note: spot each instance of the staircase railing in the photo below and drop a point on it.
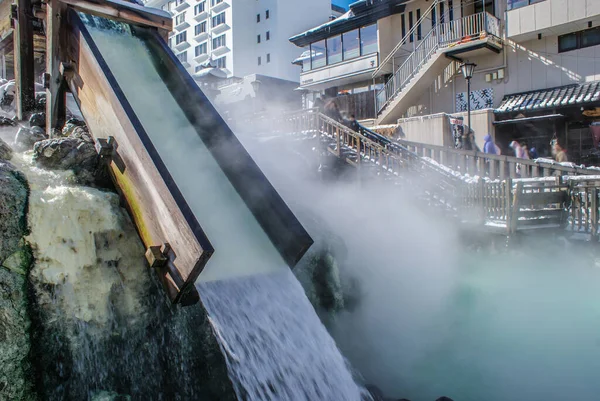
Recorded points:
(444, 35)
(406, 37)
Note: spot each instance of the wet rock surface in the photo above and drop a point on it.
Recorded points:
(38, 120)
(15, 261)
(74, 152)
(6, 151)
(26, 138)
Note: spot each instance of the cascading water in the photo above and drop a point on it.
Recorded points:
(102, 325)
(276, 347)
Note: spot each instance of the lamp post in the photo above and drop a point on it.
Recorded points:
(467, 70)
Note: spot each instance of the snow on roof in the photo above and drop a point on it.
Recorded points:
(346, 16)
(207, 72)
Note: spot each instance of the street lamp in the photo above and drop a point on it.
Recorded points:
(467, 70)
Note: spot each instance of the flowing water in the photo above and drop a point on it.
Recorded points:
(275, 345)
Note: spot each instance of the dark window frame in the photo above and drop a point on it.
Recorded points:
(268, 35)
(258, 38)
(259, 61)
(578, 40)
(267, 14)
(268, 58)
(257, 18)
(419, 32)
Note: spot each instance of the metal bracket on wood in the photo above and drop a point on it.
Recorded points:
(106, 147)
(157, 255)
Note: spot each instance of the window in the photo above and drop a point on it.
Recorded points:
(489, 6)
(259, 61)
(317, 50)
(267, 14)
(334, 49)
(268, 35)
(403, 25)
(221, 62)
(512, 4)
(180, 38)
(258, 38)
(350, 45)
(419, 37)
(218, 19)
(368, 39)
(268, 57)
(215, 2)
(200, 28)
(198, 68)
(579, 40)
(433, 17)
(201, 49)
(257, 17)
(442, 16)
(199, 8)
(182, 56)
(219, 41)
(180, 19)
(305, 57)
(179, 2)
(450, 10)
(410, 25)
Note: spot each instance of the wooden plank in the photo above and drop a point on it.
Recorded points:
(543, 198)
(124, 12)
(594, 214)
(154, 202)
(24, 60)
(531, 214)
(56, 14)
(515, 207)
(508, 204)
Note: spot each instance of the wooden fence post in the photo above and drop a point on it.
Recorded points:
(594, 214)
(507, 203)
(23, 60)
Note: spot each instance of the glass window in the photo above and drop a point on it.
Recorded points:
(258, 38)
(182, 56)
(350, 44)
(221, 62)
(368, 39)
(215, 2)
(199, 8)
(218, 19)
(267, 14)
(268, 57)
(306, 59)
(318, 54)
(450, 10)
(201, 49)
(567, 42)
(419, 36)
(180, 18)
(219, 41)
(180, 38)
(590, 37)
(257, 17)
(512, 4)
(200, 28)
(403, 25)
(410, 26)
(259, 61)
(334, 49)
(268, 35)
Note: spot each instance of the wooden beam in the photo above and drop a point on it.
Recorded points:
(23, 50)
(124, 12)
(55, 45)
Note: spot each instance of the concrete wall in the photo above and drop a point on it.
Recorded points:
(560, 16)
(434, 129)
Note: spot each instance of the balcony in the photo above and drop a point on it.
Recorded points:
(201, 16)
(346, 72)
(201, 58)
(219, 51)
(182, 25)
(217, 8)
(182, 46)
(550, 17)
(217, 30)
(201, 37)
(181, 5)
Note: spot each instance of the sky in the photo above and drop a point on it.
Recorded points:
(343, 3)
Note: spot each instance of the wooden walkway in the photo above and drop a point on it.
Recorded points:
(477, 189)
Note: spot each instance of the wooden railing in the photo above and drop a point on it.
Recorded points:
(482, 164)
(553, 197)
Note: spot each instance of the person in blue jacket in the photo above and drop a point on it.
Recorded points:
(489, 146)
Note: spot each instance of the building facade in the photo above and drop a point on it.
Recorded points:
(537, 74)
(242, 37)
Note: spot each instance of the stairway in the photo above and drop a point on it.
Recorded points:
(429, 59)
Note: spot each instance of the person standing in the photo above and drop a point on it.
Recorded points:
(490, 147)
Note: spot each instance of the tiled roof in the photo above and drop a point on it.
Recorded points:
(569, 95)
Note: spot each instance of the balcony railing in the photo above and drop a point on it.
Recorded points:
(464, 30)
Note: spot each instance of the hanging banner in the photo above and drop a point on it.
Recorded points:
(595, 129)
(457, 128)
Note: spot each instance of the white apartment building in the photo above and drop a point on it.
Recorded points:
(242, 37)
(397, 62)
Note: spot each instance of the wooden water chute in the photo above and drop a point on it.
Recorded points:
(176, 244)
